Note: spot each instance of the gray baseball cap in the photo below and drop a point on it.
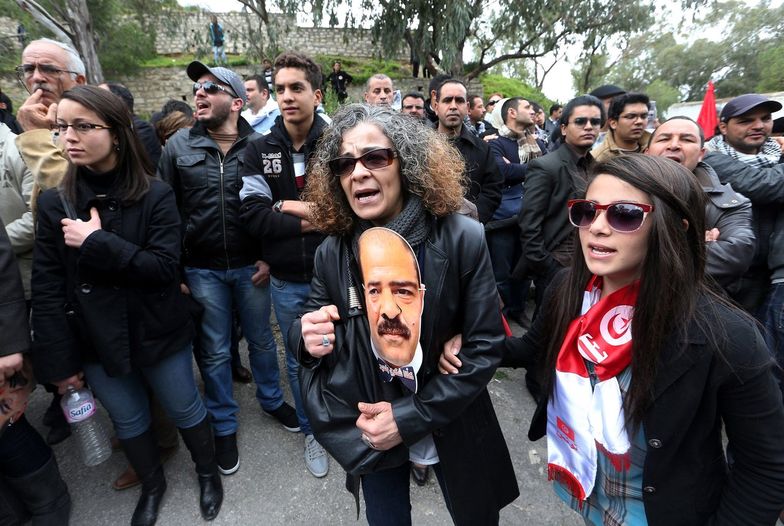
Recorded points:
(196, 70)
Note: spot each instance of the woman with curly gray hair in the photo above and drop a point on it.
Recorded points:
(378, 168)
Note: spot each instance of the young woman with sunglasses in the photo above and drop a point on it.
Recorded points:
(107, 306)
(376, 167)
(643, 363)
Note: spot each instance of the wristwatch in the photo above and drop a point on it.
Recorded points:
(278, 206)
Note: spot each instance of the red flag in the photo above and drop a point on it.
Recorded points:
(707, 119)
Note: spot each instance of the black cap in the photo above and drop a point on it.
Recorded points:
(606, 91)
(745, 103)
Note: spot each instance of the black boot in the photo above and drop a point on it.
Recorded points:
(142, 453)
(44, 494)
(201, 444)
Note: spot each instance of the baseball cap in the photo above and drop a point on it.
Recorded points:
(745, 103)
(606, 91)
(196, 70)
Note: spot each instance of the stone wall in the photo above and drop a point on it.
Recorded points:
(187, 32)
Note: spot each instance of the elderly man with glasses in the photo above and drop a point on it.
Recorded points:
(48, 69)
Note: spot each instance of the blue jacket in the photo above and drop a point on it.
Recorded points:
(505, 149)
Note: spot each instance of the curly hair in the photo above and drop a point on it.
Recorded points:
(430, 167)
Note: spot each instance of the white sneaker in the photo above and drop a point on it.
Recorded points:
(316, 459)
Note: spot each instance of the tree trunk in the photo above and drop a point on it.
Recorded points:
(82, 25)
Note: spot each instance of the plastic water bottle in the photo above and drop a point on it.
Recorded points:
(79, 408)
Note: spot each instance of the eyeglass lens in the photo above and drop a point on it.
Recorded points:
(622, 217)
(372, 160)
(582, 121)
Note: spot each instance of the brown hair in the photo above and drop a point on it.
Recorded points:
(134, 168)
(303, 62)
(166, 126)
(430, 167)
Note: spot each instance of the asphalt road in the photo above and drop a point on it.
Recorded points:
(273, 487)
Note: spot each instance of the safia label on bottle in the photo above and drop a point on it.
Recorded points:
(83, 412)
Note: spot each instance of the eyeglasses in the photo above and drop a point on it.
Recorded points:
(623, 217)
(25, 71)
(372, 160)
(635, 116)
(491, 102)
(212, 88)
(80, 127)
(582, 121)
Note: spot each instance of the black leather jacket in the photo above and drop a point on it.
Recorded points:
(207, 185)
(456, 409)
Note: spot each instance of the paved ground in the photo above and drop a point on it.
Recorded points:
(273, 487)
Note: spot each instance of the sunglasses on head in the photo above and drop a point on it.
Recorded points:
(624, 217)
(582, 121)
(372, 160)
(212, 88)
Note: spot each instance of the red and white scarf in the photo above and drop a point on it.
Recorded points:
(581, 419)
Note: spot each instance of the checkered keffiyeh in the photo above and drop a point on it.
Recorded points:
(769, 155)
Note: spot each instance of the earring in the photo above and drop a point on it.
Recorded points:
(116, 147)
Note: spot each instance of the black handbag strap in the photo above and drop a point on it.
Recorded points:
(67, 206)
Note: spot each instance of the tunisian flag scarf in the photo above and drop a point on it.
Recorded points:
(581, 419)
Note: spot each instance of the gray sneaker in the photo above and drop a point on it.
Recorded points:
(316, 459)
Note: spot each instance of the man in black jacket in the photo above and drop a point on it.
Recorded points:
(272, 181)
(222, 267)
(482, 176)
(546, 236)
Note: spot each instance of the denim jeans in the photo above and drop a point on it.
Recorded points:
(289, 297)
(387, 497)
(125, 397)
(217, 291)
(504, 247)
(773, 316)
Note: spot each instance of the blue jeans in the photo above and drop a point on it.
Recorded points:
(773, 316)
(217, 291)
(289, 297)
(219, 55)
(125, 397)
(504, 247)
(387, 497)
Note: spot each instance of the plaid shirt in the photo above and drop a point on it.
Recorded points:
(616, 499)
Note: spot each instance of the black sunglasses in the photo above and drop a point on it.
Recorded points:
(372, 160)
(212, 88)
(582, 121)
(624, 217)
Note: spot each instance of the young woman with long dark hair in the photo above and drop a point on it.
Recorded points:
(644, 365)
(107, 306)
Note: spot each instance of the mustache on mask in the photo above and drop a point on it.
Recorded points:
(393, 327)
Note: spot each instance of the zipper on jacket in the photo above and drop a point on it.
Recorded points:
(223, 211)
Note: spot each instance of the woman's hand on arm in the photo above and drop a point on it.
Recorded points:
(449, 363)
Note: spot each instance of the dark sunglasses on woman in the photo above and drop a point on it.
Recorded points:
(372, 160)
(624, 217)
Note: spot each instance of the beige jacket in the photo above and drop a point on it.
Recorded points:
(16, 187)
(44, 158)
(609, 149)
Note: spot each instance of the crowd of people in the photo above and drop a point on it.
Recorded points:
(394, 247)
